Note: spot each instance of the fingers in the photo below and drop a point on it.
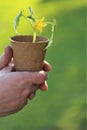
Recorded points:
(36, 78)
(33, 91)
(6, 57)
(40, 79)
(44, 86)
(46, 66)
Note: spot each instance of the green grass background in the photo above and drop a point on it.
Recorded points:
(62, 107)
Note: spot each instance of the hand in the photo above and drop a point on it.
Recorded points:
(15, 87)
(44, 86)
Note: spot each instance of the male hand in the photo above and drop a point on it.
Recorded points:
(17, 87)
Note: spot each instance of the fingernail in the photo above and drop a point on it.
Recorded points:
(44, 86)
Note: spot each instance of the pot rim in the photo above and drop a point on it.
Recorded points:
(45, 39)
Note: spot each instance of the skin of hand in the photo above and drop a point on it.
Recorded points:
(17, 87)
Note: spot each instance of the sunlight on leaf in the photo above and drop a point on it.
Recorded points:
(17, 19)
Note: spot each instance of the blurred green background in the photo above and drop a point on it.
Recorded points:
(63, 106)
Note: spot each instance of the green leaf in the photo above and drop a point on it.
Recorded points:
(31, 18)
(52, 33)
(31, 11)
(17, 19)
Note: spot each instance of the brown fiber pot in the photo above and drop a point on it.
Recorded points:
(28, 56)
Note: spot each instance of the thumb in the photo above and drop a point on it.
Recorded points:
(6, 70)
(6, 57)
(36, 78)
